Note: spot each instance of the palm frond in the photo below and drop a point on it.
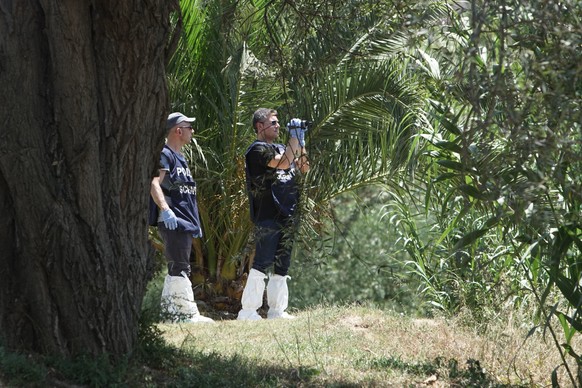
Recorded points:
(364, 120)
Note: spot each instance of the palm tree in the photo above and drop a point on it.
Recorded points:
(236, 57)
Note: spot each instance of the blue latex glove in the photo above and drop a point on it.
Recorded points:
(301, 137)
(296, 131)
(169, 219)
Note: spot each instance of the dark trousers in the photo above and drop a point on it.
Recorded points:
(177, 248)
(273, 244)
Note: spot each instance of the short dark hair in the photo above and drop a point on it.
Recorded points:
(261, 114)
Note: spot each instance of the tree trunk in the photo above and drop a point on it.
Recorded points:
(82, 115)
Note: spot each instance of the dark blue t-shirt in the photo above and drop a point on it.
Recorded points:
(273, 193)
(180, 191)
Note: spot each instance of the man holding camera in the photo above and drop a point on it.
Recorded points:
(272, 170)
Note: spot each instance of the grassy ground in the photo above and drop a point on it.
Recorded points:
(352, 346)
(357, 347)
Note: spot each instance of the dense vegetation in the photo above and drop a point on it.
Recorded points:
(446, 171)
(463, 122)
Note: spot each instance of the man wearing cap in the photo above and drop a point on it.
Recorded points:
(174, 192)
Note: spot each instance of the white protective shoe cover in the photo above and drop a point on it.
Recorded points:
(178, 300)
(252, 296)
(278, 297)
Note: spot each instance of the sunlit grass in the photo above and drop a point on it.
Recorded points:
(359, 346)
(326, 346)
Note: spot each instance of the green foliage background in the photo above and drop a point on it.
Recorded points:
(360, 261)
(467, 114)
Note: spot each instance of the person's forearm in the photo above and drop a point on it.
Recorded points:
(293, 149)
(285, 160)
(158, 195)
(303, 161)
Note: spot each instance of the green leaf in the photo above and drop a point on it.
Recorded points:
(445, 176)
(452, 165)
(491, 222)
(575, 323)
(569, 288)
(446, 123)
(470, 238)
(449, 146)
(472, 191)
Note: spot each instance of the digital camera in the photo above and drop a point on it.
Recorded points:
(304, 124)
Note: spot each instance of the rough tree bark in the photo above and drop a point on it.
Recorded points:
(82, 104)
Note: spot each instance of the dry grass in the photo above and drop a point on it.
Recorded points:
(358, 346)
